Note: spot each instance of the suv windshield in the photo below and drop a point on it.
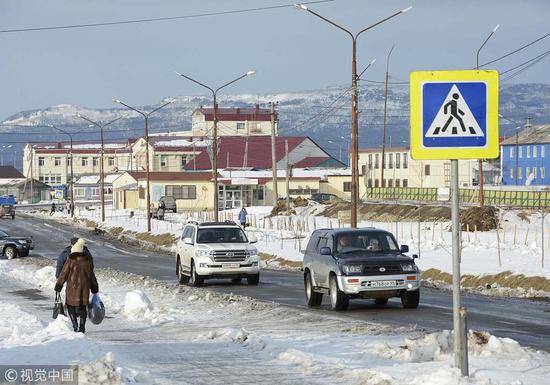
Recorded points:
(221, 235)
(365, 241)
(3, 234)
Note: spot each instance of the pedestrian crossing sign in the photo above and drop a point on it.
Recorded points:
(454, 114)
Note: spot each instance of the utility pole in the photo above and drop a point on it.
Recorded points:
(273, 154)
(72, 175)
(354, 103)
(287, 176)
(245, 159)
(385, 111)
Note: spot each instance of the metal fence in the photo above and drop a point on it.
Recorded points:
(509, 198)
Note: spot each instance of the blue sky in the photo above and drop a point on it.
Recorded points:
(291, 50)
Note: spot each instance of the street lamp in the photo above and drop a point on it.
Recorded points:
(385, 114)
(71, 156)
(5, 147)
(101, 127)
(354, 107)
(146, 118)
(480, 161)
(215, 131)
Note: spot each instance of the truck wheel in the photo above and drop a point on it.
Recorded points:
(381, 301)
(313, 298)
(10, 252)
(194, 279)
(338, 299)
(410, 299)
(253, 279)
(182, 278)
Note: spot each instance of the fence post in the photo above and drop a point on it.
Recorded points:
(526, 235)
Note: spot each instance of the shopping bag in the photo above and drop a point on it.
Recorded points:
(58, 307)
(96, 310)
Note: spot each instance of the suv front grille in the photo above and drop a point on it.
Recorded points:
(389, 268)
(229, 256)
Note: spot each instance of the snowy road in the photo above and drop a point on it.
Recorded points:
(526, 321)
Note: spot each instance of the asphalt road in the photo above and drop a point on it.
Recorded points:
(526, 321)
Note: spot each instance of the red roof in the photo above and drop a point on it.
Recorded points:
(172, 176)
(10, 172)
(238, 114)
(259, 152)
(311, 161)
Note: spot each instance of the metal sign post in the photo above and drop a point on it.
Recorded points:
(454, 115)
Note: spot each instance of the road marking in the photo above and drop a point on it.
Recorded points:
(506, 322)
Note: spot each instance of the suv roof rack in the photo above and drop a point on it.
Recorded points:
(221, 223)
(192, 221)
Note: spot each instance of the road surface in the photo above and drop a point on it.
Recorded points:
(526, 321)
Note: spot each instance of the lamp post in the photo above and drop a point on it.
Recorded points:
(101, 127)
(71, 156)
(215, 131)
(480, 161)
(385, 114)
(5, 147)
(147, 172)
(354, 101)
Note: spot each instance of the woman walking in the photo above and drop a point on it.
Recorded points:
(80, 278)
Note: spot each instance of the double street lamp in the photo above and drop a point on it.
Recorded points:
(215, 131)
(101, 127)
(147, 172)
(354, 102)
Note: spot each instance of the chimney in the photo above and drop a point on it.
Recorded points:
(59, 145)
(238, 110)
(257, 107)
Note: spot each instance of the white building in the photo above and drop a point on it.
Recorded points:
(233, 121)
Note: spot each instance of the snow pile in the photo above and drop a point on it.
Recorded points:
(297, 357)
(431, 347)
(225, 334)
(137, 305)
(104, 372)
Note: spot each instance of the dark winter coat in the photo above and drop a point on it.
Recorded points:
(65, 255)
(80, 278)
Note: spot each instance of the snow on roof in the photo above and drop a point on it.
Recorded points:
(94, 179)
(296, 173)
(181, 142)
(10, 181)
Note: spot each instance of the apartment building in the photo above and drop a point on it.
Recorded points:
(400, 170)
(233, 121)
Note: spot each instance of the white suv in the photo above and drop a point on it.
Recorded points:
(216, 250)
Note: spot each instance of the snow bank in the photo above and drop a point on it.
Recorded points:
(137, 304)
(226, 334)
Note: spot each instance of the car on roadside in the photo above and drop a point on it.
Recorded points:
(13, 247)
(169, 203)
(323, 197)
(216, 250)
(359, 263)
(7, 210)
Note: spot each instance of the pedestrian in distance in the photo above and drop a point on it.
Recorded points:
(242, 217)
(65, 255)
(52, 211)
(161, 210)
(79, 275)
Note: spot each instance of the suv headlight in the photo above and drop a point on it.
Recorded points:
(352, 269)
(408, 267)
(202, 253)
(252, 252)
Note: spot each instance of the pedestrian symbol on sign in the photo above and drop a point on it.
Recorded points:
(454, 118)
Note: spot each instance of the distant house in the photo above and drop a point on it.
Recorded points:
(87, 187)
(523, 157)
(233, 121)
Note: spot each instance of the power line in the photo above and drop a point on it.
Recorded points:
(516, 50)
(535, 59)
(525, 68)
(149, 20)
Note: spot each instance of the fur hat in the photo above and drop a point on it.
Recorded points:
(78, 247)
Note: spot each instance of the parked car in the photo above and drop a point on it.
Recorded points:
(169, 203)
(15, 246)
(7, 210)
(216, 250)
(359, 263)
(323, 197)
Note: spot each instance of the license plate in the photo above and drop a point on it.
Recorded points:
(230, 265)
(381, 283)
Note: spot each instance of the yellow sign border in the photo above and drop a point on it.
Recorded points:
(491, 148)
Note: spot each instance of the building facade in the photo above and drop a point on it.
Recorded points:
(233, 121)
(525, 159)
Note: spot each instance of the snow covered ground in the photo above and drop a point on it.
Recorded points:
(167, 334)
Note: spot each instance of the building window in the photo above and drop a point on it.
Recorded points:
(542, 147)
(397, 161)
(363, 169)
(58, 179)
(95, 162)
(534, 172)
(111, 161)
(183, 161)
(181, 192)
(370, 161)
(511, 152)
(376, 160)
(41, 161)
(390, 182)
(405, 161)
(511, 173)
(347, 186)
(397, 183)
(519, 172)
(84, 162)
(427, 169)
(527, 172)
(542, 172)
(376, 184)
(369, 183)
(57, 161)
(390, 161)
(69, 161)
(240, 125)
(163, 161)
(528, 151)
(534, 151)
(520, 152)
(405, 183)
